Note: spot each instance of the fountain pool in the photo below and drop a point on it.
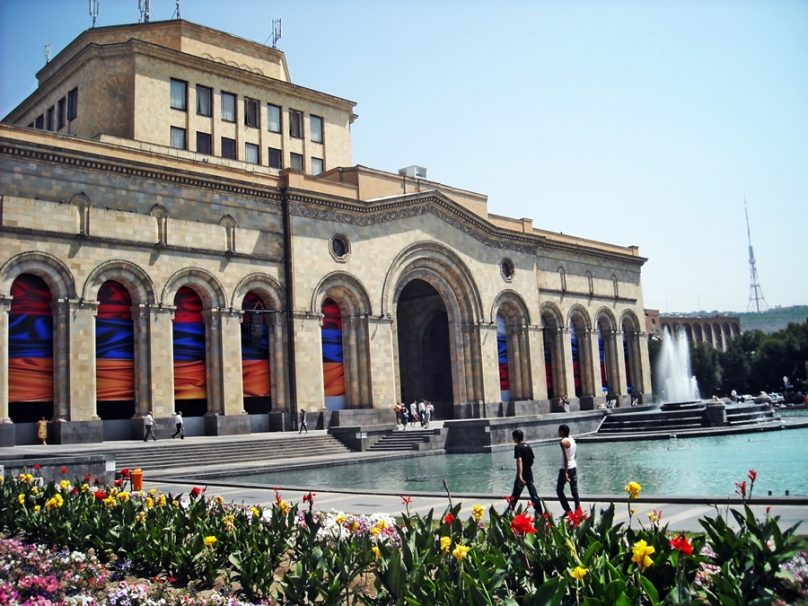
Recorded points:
(684, 467)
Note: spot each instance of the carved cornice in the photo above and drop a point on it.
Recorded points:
(375, 213)
(580, 248)
(585, 295)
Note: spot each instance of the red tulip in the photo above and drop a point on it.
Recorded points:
(448, 518)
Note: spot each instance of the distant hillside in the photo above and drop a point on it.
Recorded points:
(769, 321)
(774, 319)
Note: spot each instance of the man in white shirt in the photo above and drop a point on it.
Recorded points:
(148, 426)
(180, 424)
(568, 472)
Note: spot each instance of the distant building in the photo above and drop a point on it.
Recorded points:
(716, 330)
(182, 229)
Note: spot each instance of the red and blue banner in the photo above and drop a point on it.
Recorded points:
(333, 362)
(629, 387)
(548, 360)
(576, 360)
(502, 358)
(254, 348)
(190, 376)
(30, 341)
(114, 344)
(604, 381)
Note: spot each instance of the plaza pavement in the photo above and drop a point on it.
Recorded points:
(680, 513)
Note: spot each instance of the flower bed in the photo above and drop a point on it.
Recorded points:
(199, 550)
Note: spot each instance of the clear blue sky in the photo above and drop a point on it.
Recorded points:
(631, 122)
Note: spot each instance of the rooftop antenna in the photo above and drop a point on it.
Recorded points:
(276, 32)
(755, 291)
(177, 10)
(144, 6)
(95, 8)
(48, 48)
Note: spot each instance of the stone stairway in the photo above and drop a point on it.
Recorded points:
(750, 413)
(168, 454)
(411, 439)
(669, 420)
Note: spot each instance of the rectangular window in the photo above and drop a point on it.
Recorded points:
(204, 100)
(275, 158)
(179, 94)
(178, 138)
(316, 166)
(204, 143)
(251, 112)
(228, 107)
(72, 104)
(295, 124)
(228, 148)
(316, 128)
(274, 118)
(296, 161)
(40, 121)
(251, 155)
(50, 120)
(61, 114)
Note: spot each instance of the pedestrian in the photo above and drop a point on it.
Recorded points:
(303, 424)
(42, 430)
(568, 472)
(428, 413)
(413, 412)
(422, 412)
(180, 424)
(148, 426)
(524, 456)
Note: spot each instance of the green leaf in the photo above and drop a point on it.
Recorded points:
(650, 590)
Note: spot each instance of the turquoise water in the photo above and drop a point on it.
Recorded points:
(674, 467)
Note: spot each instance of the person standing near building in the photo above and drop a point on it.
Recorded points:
(42, 430)
(303, 424)
(180, 424)
(148, 426)
(568, 472)
(524, 456)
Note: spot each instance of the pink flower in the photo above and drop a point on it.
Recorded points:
(740, 488)
(406, 500)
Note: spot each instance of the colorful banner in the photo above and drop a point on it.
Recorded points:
(630, 389)
(114, 344)
(602, 352)
(190, 377)
(548, 359)
(254, 349)
(333, 363)
(502, 357)
(30, 341)
(576, 362)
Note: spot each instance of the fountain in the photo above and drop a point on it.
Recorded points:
(673, 374)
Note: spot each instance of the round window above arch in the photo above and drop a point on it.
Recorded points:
(507, 270)
(340, 248)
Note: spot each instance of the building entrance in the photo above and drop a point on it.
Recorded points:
(425, 366)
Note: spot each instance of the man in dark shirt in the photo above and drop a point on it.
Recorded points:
(523, 454)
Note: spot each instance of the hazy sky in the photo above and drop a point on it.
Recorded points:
(631, 122)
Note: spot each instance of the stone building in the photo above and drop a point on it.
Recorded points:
(717, 330)
(182, 229)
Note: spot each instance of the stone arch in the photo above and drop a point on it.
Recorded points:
(351, 296)
(206, 285)
(718, 336)
(579, 325)
(552, 322)
(630, 327)
(512, 307)
(44, 265)
(445, 272)
(137, 282)
(608, 352)
(707, 329)
(271, 293)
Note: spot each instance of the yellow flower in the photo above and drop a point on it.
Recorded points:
(85, 488)
(460, 552)
(256, 513)
(229, 522)
(152, 492)
(642, 554)
(578, 573)
(633, 510)
(654, 516)
(141, 517)
(355, 527)
(37, 508)
(27, 478)
(210, 541)
(34, 490)
(375, 531)
(284, 506)
(123, 496)
(161, 500)
(110, 502)
(54, 502)
(64, 485)
(218, 500)
(175, 504)
(340, 519)
(21, 499)
(633, 489)
(376, 551)
(149, 502)
(445, 543)
(477, 512)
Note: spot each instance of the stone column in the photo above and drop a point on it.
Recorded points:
(644, 364)
(230, 356)
(622, 389)
(82, 361)
(226, 415)
(564, 343)
(278, 365)
(308, 362)
(7, 432)
(381, 345)
(61, 360)
(350, 360)
(486, 335)
(363, 370)
(213, 361)
(143, 385)
(160, 339)
(538, 375)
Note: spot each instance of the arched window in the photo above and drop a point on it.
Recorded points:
(190, 374)
(114, 352)
(30, 350)
(502, 357)
(333, 362)
(255, 355)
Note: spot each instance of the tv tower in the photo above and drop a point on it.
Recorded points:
(755, 291)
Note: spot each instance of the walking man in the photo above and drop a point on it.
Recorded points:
(568, 473)
(524, 456)
(148, 425)
(303, 424)
(180, 424)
